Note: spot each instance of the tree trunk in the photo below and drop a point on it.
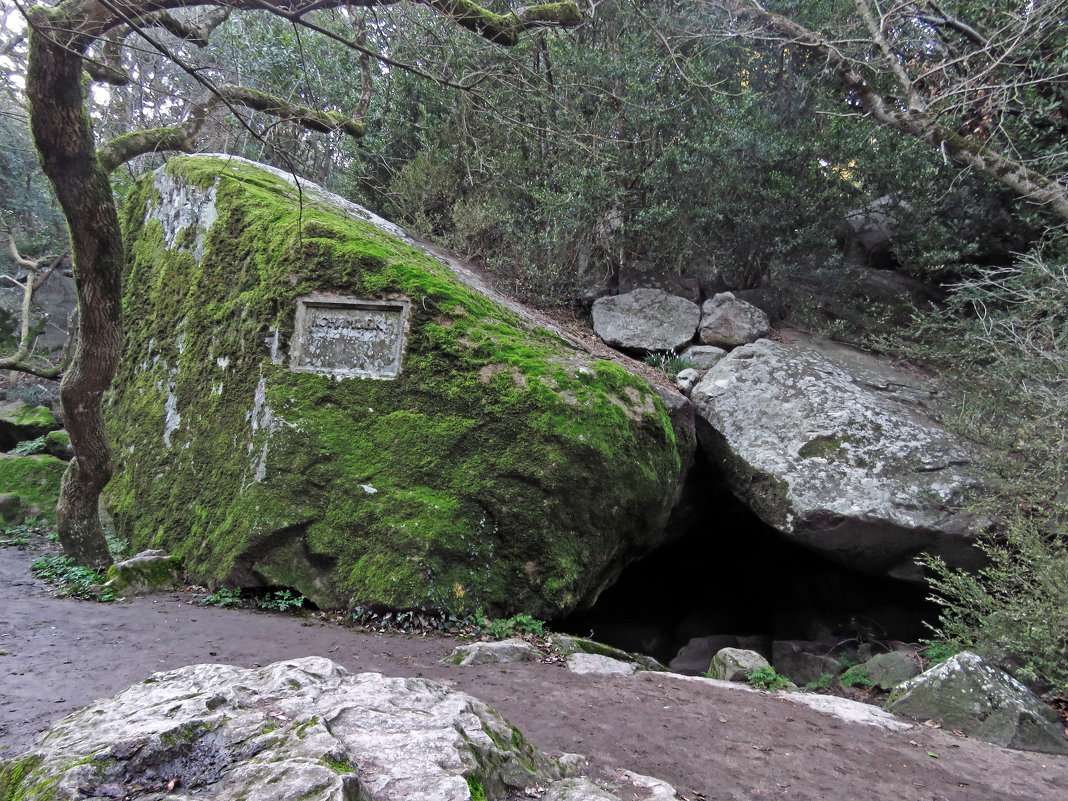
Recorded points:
(63, 134)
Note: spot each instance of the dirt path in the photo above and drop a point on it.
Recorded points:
(710, 742)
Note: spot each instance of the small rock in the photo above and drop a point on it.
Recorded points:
(727, 322)
(687, 379)
(703, 357)
(143, 574)
(599, 665)
(734, 664)
(886, 671)
(696, 655)
(646, 320)
(493, 653)
(11, 513)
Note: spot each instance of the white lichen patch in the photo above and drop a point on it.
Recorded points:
(186, 207)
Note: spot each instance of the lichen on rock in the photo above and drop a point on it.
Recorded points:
(500, 466)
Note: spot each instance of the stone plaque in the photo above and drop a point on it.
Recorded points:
(349, 337)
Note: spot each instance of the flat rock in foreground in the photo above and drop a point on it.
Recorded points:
(306, 728)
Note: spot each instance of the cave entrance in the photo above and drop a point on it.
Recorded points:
(733, 575)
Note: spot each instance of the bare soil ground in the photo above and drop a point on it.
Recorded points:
(57, 655)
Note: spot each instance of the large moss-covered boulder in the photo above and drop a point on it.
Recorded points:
(307, 399)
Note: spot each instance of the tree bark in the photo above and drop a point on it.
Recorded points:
(63, 133)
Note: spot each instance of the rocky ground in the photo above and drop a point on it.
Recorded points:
(711, 742)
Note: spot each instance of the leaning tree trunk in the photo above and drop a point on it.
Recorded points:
(63, 134)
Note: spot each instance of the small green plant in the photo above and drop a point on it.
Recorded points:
(935, 652)
(824, 682)
(670, 363)
(281, 601)
(765, 678)
(71, 580)
(28, 447)
(502, 628)
(226, 597)
(20, 534)
(856, 676)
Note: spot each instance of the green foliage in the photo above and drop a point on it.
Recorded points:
(28, 447)
(281, 601)
(937, 651)
(226, 597)
(824, 682)
(503, 628)
(765, 678)
(1017, 605)
(474, 786)
(71, 580)
(856, 676)
(20, 534)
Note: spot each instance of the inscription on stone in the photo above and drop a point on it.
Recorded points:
(349, 337)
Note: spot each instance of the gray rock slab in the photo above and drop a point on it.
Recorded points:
(849, 710)
(703, 356)
(493, 653)
(968, 694)
(727, 322)
(886, 671)
(803, 661)
(646, 320)
(306, 728)
(599, 665)
(840, 455)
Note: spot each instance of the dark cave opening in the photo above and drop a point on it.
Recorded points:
(731, 574)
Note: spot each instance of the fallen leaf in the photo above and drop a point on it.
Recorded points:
(933, 755)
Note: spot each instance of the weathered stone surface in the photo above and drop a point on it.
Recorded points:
(644, 275)
(886, 671)
(450, 484)
(493, 653)
(646, 320)
(52, 304)
(568, 645)
(734, 664)
(687, 379)
(850, 711)
(966, 693)
(727, 322)
(35, 480)
(144, 573)
(599, 665)
(703, 356)
(835, 450)
(11, 513)
(306, 728)
(19, 422)
(803, 661)
(695, 657)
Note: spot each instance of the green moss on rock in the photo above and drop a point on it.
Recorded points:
(35, 479)
(500, 467)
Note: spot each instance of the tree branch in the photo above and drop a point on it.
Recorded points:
(182, 137)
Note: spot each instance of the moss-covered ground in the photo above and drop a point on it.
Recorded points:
(501, 467)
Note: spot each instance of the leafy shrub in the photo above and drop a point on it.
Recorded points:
(936, 652)
(765, 678)
(1016, 605)
(71, 580)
